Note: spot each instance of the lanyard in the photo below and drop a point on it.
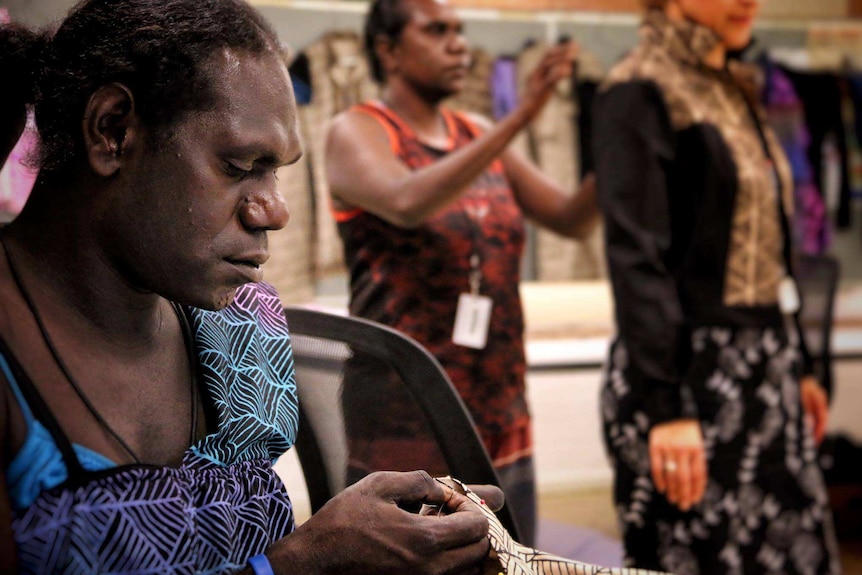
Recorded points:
(475, 212)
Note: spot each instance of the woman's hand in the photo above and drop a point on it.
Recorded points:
(678, 461)
(363, 531)
(816, 405)
(491, 494)
(556, 64)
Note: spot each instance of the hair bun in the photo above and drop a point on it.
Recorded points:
(22, 52)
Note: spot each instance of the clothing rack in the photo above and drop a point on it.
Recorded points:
(841, 56)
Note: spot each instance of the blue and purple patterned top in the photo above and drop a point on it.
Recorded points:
(75, 512)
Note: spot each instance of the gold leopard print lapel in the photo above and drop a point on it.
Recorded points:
(671, 55)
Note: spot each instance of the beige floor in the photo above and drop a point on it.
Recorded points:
(590, 508)
(593, 509)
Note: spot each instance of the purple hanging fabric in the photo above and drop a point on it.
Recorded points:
(787, 118)
(504, 86)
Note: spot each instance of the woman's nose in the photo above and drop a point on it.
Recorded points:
(459, 43)
(264, 210)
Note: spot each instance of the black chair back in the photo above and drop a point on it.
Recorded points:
(373, 399)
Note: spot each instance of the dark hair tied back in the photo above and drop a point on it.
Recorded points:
(385, 18)
(159, 49)
(21, 54)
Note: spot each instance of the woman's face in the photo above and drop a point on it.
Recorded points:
(196, 217)
(732, 20)
(432, 53)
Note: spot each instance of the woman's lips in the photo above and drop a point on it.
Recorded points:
(249, 266)
(742, 20)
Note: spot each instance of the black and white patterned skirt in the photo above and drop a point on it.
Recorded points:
(766, 508)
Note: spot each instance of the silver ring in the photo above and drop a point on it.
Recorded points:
(670, 466)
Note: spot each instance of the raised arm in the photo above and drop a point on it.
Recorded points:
(566, 212)
(364, 172)
(569, 213)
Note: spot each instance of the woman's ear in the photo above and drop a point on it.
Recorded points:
(109, 125)
(385, 48)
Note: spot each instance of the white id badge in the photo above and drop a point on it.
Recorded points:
(788, 296)
(472, 320)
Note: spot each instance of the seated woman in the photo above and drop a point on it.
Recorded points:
(146, 385)
(146, 381)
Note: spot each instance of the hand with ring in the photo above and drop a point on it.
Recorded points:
(678, 461)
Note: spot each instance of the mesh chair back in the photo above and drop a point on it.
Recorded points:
(817, 277)
(373, 399)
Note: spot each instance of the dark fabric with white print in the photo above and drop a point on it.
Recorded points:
(765, 510)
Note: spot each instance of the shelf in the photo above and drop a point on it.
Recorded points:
(315, 5)
(487, 14)
(549, 17)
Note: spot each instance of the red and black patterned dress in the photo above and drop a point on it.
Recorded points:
(411, 279)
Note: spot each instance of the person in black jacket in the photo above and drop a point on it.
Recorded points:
(711, 416)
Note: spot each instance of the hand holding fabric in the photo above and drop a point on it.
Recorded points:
(510, 557)
(363, 531)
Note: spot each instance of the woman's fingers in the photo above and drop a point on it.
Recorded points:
(678, 462)
(657, 463)
(683, 477)
(490, 494)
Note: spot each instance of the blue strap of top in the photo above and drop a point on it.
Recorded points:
(39, 464)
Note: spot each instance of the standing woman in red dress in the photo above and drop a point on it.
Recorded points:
(430, 207)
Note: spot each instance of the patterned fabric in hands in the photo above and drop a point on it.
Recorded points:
(411, 279)
(510, 557)
(766, 507)
(223, 504)
(671, 54)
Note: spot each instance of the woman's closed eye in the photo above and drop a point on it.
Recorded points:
(239, 172)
